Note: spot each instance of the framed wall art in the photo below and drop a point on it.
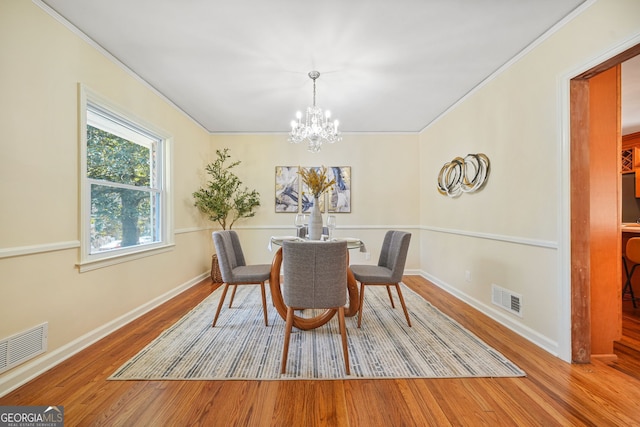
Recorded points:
(339, 198)
(287, 189)
(292, 195)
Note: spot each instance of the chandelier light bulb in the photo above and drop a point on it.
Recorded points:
(316, 128)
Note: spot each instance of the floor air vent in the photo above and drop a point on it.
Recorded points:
(23, 346)
(506, 299)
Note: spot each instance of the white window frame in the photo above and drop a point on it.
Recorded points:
(89, 261)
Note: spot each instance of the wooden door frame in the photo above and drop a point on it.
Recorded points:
(580, 206)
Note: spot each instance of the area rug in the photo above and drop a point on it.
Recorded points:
(241, 347)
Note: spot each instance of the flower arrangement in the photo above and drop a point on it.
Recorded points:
(316, 180)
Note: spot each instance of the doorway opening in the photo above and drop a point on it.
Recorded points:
(595, 220)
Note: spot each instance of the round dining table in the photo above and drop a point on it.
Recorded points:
(306, 323)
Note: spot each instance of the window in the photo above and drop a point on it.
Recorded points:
(125, 192)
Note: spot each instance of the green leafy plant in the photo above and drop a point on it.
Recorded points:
(222, 200)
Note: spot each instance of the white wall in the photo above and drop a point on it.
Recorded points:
(384, 180)
(42, 64)
(514, 233)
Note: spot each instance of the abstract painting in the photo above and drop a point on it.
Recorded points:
(292, 195)
(340, 195)
(287, 189)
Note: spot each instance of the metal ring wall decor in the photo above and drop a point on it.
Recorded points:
(463, 175)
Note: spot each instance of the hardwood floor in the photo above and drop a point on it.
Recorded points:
(628, 348)
(553, 392)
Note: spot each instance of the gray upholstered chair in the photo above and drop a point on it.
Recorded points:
(315, 276)
(302, 232)
(388, 272)
(234, 269)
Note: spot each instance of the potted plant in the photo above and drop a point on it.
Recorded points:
(223, 200)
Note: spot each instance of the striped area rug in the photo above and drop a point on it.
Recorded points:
(240, 347)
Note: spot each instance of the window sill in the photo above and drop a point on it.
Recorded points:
(90, 265)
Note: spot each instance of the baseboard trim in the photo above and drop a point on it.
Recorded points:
(605, 358)
(524, 331)
(26, 372)
(30, 370)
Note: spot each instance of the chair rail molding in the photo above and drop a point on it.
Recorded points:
(38, 249)
(550, 244)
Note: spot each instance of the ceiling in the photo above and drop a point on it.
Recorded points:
(242, 65)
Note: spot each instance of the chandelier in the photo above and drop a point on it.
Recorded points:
(316, 128)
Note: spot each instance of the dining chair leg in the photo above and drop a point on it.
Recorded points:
(404, 306)
(222, 297)
(233, 294)
(264, 304)
(287, 336)
(628, 288)
(361, 304)
(390, 297)
(343, 334)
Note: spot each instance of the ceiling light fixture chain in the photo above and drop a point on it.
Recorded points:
(316, 128)
(314, 75)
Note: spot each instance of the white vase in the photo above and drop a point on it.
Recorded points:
(315, 221)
